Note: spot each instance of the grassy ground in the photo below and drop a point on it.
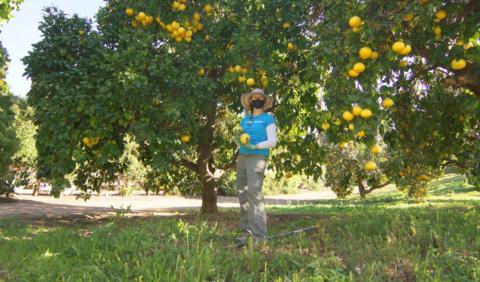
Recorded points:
(383, 238)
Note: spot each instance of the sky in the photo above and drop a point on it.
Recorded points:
(18, 35)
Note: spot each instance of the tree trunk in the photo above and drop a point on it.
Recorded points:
(209, 194)
(361, 187)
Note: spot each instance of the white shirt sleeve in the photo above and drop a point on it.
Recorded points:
(271, 138)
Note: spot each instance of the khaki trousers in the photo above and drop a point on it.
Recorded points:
(250, 175)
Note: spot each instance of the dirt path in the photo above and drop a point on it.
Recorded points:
(27, 205)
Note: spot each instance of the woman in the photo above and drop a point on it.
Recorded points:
(252, 162)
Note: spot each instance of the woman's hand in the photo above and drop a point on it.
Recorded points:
(249, 146)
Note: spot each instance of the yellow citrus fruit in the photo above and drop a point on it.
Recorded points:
(405, 51)
(458, 65)
(343, 145)
(423, 177)
(375, 149)
(201, 71)
(169, 27)
(351, 127)
(325, 126)
(199, 26)
(188, 33)
(86, 141)
(207, 8)
(348, 116)
(398, 46)
(370, 165)
(185, 138)
(238, 68)
(130, 12)
(402, 173)
(244, 138)
(361, 133)
(460, 42)
(179, 39)
(359, 67)
(356, 29)
(440, 15)
(437, 30)
(135, 23)
(182, 7)
(468, 45)
(403, 64)
(356, 110)
(355, 21)
(365, 53)
(374, 55)
(207, 38)
(250, 82)
(408, 17)
(366, 113)
(175, 25)
(387, 103)
(175, 5)
(141, 16)
(197, 16)
(290, 46)
(241, 79)
(288, 175)
(286, 25)
(353, 73)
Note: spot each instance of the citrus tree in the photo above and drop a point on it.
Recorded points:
(169, 74)
(404, 73)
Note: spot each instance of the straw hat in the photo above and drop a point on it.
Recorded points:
(246, 97)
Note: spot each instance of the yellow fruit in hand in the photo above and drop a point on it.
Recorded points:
(361, 133)
(387, 103)
(290, 46)
(370, 165)
(398, 46)
(365, 53)
(325, 126)
(353, 73)
(440, 15)
(250, 82)
(348, 116)
(405, 51)
(130, 12)
(141, 16)
(458, 65)
(359, 67)
(374, 55)
(375, 149)
(408, 17)
(355, 21)
(244, 138)
(185, 138)
(366, 113)
(356, 110)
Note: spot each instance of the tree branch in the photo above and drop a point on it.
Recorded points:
(188, 164)
(232, 164)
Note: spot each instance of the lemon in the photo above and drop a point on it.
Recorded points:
(351, 127)
(460, 42)
(241, 79)
(185, 138)
(244, 138)
(201, 72)
(135, 23)
(423, 177)
(290, 46)
(365, 53)
(437, 30)
(366, 113)
(207, 8)
(348, 116)
(403, 64)
(408, 17)
(398, 46)
(130, 12)
(286, 25)
(370, 165)
(325, 126)
(182, 7)
(405, 51)
(359, 67)
(141, 16)
(355, 21)
(440, 15)
(197, 16)
(356, 29)
(375, 149)
(353, 73)
(343, 145)
(356, 110)
(387, 103)
(374, 55)
(238, 68)
(250, 82)
(86, 141)
(468, 45)
(458, 65)
(361, 133)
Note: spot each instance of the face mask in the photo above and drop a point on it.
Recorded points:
(258, 104)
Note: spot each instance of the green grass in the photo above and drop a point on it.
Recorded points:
(382, 238)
